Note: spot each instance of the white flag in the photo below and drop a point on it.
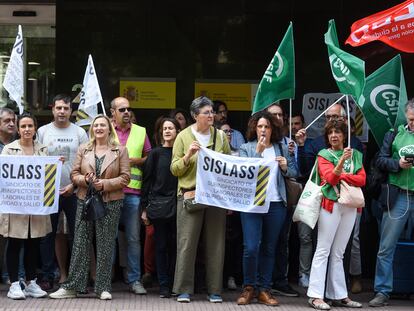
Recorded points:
(90, 96)
(13, 80)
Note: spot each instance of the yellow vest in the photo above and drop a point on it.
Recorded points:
(135, 145)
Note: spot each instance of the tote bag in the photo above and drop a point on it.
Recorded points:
(309, 205)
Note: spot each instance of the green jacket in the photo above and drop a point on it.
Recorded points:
(187, 173)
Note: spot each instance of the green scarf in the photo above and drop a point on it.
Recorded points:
(333, 156)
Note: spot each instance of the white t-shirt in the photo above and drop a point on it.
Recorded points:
(203, 139)
(63, 142)
(269, 153)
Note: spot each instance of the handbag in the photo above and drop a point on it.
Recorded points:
(161, 207)
(309, 204)
(293, 188)
(350, 196)
(94, 208)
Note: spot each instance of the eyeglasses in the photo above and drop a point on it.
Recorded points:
(332, 117)
(207, 113)
(279, 115)
(228, 132)
(124, 109)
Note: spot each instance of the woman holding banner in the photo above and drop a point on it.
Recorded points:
(336, 165)
(24, 230)
(105, 164)
(196, 219)
(261, 231)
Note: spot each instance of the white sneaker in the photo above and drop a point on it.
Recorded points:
(304, 281)
(231, 283)
(62, 293)
(105, 296)
(34, 290)
(137, 288)
(15, 291)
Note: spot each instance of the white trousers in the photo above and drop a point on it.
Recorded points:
(334, 230)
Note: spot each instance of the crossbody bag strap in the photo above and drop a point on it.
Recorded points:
(214, 140)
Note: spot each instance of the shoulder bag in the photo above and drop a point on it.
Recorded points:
(309, 204)
(293, 188)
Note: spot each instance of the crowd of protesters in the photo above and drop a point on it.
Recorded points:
(155, 187)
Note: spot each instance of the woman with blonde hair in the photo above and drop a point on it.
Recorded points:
(105, 164)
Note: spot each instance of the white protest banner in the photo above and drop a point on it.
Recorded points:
(316, 103)
(29, 184)
(90, 96)
(234, 183)
(13, 80)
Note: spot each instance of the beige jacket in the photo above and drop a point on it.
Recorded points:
(115, 171)
(17, 226)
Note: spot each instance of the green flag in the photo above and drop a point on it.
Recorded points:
(401, 119)
(278, 81)
(347, 70)
(384, 92)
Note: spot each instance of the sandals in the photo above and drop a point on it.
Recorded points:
(318, 306)
(347, 303)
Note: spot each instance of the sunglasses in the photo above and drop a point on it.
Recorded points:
(124, 109)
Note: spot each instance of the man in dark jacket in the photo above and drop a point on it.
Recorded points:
(400, 206)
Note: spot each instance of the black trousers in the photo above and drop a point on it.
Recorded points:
(31, 255)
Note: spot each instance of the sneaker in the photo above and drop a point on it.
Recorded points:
(15, 291)
(62, 293)
(105, 296)
(46, 285)
(214, 298)
(137, 288)
(184, 298)
(379, 300)
(286, 290)
(231, 283)
(34, 290)
(146, 280)
(304, 281)
(165, 292)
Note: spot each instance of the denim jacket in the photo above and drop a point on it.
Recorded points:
(248, 150)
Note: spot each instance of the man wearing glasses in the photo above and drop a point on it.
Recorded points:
(135, 138)
(220, 118)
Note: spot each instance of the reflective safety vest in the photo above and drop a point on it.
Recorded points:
(135, 145)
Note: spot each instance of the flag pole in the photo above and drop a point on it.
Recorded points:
(290, 119)
(323, 112)
(349, 121)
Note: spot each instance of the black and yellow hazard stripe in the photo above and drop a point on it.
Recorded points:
(261, 185)
(50, 177)
(81, 115)
(359, 122)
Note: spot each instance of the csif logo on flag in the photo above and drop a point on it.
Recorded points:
(273, 68)
(385, 99)
(339, 70)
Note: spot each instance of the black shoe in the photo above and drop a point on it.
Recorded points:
(287, 291)
(165, 292)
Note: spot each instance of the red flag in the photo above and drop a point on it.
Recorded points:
(394, 27)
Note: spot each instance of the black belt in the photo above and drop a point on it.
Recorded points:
(409, 192)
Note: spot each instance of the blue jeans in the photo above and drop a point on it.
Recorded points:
(391, 229)
(260, 235)
(131, 222)
(280, 270)
(47, 243)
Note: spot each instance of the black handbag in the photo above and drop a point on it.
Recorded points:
(161, 207)
(94, 208)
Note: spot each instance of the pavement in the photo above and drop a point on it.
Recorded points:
(124, 300)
